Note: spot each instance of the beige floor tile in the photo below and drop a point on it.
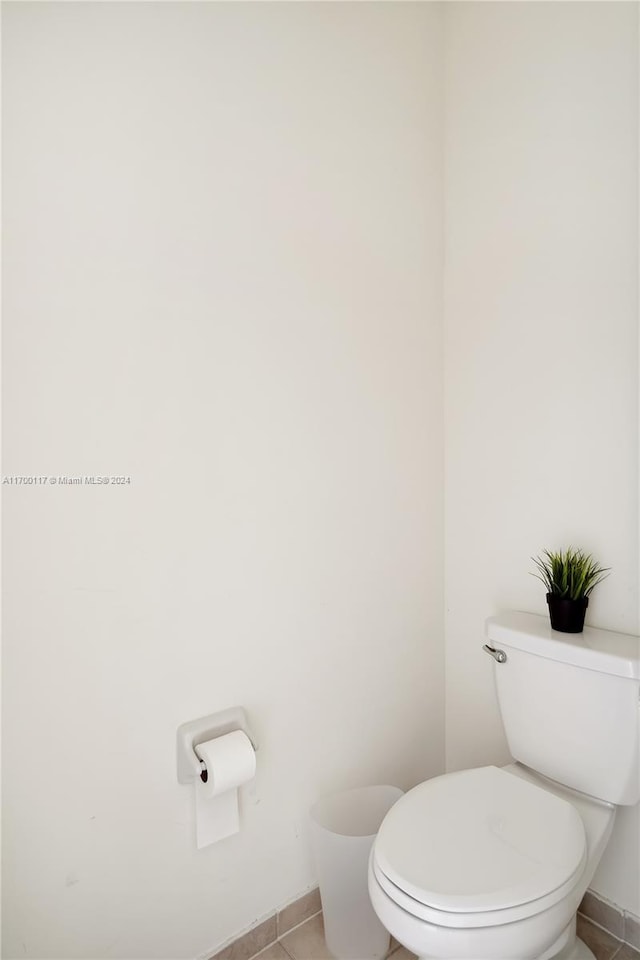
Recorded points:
(302, 909)
(602, 943)
(306, 942)
(247, 946)
(603, 913)
(632, 930)
(275, 952)
(403, 954)
(627, 953)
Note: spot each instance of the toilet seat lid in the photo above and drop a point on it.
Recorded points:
(480, 840)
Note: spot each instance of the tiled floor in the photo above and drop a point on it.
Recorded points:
(306, 942)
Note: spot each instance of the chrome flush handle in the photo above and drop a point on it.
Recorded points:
(498, 655)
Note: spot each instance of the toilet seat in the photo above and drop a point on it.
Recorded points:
(472, 848)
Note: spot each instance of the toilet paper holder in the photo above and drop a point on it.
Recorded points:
(190, 734)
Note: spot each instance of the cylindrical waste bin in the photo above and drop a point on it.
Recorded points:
(343, 828)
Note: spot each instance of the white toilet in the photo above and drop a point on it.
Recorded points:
(492, 863)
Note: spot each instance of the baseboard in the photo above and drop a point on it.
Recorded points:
(620, 923)
(270, 930)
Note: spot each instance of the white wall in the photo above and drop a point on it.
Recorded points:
(541, 307)
(223, 266)
(222, 238)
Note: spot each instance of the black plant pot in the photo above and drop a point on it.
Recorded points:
(567, 616)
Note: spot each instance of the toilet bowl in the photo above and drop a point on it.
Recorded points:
(489, 864)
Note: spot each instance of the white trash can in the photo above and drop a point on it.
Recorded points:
(343, 828)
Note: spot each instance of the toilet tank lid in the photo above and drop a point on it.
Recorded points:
(602, 650)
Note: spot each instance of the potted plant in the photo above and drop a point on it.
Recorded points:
(569, 576)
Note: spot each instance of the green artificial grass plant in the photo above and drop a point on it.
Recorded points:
(571, 574)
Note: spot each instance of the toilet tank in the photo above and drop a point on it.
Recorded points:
(570, 703)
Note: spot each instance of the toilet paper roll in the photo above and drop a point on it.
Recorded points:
(230, 762)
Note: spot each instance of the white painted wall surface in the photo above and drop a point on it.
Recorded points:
(223, 265)
(541, 307)
(222, 250)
